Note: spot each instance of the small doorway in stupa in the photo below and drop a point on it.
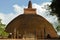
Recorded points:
(48, 36)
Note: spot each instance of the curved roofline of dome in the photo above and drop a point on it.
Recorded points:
(26, 15)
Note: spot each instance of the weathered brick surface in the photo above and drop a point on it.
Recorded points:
(31, 24)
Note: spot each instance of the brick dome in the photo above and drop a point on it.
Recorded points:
(31, 23)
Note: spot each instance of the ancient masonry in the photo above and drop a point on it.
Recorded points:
(30, 25)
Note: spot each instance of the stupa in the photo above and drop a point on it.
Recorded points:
(30, 24)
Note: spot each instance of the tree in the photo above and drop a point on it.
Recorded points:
(55, 6)
(2, 28)
(58, 28)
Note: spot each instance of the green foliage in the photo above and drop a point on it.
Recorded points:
(4, 34)
(58, 28)
(2, 28)
(55, 7)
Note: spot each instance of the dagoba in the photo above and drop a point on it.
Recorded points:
(30, 23)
